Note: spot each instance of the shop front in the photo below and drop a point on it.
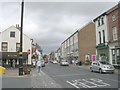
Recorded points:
(103, 52)
(11, 59)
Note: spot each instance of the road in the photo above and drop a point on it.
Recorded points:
(56, 76)
(76, 77)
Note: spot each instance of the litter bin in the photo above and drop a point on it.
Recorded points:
(2, 70)
(80, 63)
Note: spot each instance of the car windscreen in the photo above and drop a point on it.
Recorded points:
(104, 62)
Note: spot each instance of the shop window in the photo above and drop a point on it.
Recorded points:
(113, 56)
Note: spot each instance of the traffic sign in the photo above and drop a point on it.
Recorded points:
(28, 52)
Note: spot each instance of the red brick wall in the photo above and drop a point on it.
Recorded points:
(112, 24)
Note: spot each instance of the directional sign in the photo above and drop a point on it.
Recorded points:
(28, 52)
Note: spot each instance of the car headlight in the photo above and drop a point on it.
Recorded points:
(104, 66)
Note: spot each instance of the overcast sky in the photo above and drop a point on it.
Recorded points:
(50, 23)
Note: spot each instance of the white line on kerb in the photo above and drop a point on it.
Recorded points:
(72, 84)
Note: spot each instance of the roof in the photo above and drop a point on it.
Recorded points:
(112, 9)
(15, 28)
(70, 36)
(103, 14)
(107, 12)
(85, 25)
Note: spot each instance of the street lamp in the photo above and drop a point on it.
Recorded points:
(21, 41)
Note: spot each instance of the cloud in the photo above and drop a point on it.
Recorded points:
(50, 23)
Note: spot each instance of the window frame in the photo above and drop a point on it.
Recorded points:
(12, 34)
(5, 46)
(17, 46)
(114, 33)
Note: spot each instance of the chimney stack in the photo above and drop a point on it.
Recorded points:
(17, 26)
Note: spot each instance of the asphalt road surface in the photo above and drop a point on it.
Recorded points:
(56, 76)
(76, 77)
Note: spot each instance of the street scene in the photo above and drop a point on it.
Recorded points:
(60, 45)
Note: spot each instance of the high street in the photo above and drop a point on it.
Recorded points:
(56, 76)
(77, 77)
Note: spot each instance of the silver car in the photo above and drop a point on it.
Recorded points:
(102, 66)
(64, 63)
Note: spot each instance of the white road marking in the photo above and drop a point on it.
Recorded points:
(101, 81)
(88, 83)
(94, 83)
(72, 84)
(110, 79)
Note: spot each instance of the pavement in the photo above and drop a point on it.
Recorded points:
(42, 80)
(11, 79)
(35, 79)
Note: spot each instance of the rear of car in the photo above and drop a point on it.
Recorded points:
(55, 62)
(64, 63)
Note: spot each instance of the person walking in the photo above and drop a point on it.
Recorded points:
(38, 66)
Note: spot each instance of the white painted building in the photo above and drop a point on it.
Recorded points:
(102, 48)
(10, 45)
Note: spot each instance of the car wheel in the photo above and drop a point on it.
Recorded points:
(100, 70)
(91, 69)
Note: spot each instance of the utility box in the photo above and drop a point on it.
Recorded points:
(2, 70)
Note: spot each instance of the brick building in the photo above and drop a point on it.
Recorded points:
(87, 42)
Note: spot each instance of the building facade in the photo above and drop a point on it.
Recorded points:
(113, 31)
(87, 43)
(10, 46)
(102, 48)
(70, 48)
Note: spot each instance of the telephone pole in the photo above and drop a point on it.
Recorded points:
(21, 42)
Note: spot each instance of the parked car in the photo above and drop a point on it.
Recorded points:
(64, 63)
(102, 66)
(55, 62)
(42, 63)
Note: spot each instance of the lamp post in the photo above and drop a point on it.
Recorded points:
(21, 41)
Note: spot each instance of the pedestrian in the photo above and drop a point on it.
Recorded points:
(38, 65)
(13, 63)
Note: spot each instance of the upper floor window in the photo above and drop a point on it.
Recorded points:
(103, 36)
(98, 22)
(4, 46)
(12, 34)
(113, 17)
(102, 20)
(100, 37)
(114, 33)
